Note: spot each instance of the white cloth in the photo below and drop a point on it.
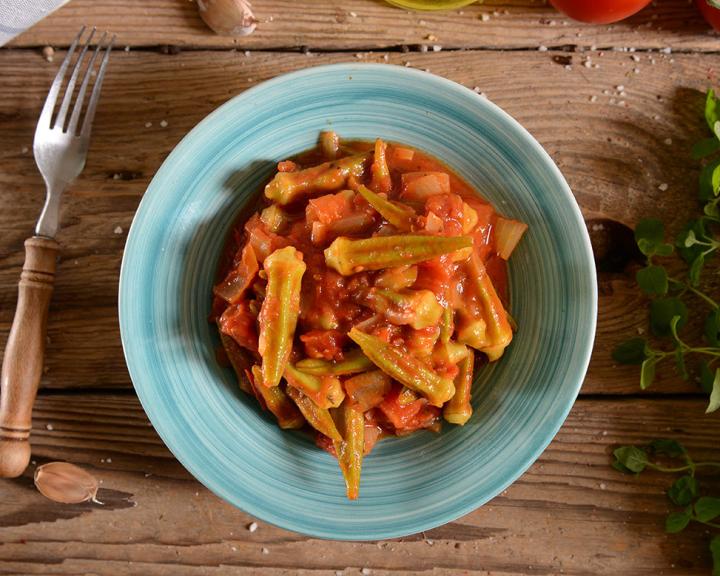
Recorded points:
(16, 16)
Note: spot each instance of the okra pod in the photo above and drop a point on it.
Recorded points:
(240, 360)
(353, 363)
(458, 410)
(286, 413)
(447, 324)
(318, 418)
(416, 308)
(351, 448)
(351, 256)
(380, 173)
(286, 187)
(399, 215)
(279, 312)
(329, 144)
(325, 391)
(405, 368)
(275, 218)
(498, 331)
(450, 352)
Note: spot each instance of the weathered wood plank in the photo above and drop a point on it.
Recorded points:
(569, 513)
(614, 156)
(367, 24)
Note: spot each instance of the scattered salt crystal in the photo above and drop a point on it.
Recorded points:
(568, 67)
(148, 124)
(476, 89)
(358, 55)
(24, 150)
(619, 87)
(663, 187)
(407, 64)
(127, 48)
(233, 548)
(366, 571)
(606, 92)
(596, 65)
(437, 48)
(33, 462)
(484, 17)
(49, 427)
(604, 432)
(668, 141)
(593, 98)
(252, 526)
(163, 123)
(623, 94)
(542, 48)
(587, 64)
(667, 50)
(247, 53)
(656, 117)
(386, 57)
(635, 58)
(636, 70)
(603, 485)
(265, 551)
(423, 48)
(593, 47)
(108, 460)
(118, 230)
(102, 460)
(48, 53)
(353, 14)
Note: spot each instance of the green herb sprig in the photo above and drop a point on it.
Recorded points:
(684, 491)
(696, 245)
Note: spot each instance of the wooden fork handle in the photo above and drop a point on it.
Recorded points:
(23, 360)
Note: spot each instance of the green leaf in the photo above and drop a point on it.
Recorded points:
(662, 311)
(705, 147)
(716, 129)
(715, 179)
(711, 109)
(712, 328)
(647, 373)
(680, 363)
(683, 491)
(707, 377)
(649, 234)
(652, 279)
(706, 191)
(677, 521)
(714, 402)
(707, 508)
(690, 239)
(696, 269)
(631, 458)
(668, 447)
(715, 551)
(632, 351)
(711, 209)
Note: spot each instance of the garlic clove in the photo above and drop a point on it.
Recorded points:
(66, 483)
(228, 17)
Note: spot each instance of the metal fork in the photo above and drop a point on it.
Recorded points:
(60, 148)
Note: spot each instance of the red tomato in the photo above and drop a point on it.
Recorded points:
(599, 11)
(710, 13)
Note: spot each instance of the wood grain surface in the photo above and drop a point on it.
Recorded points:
(571, 513)
(613, 151)
(373, 24)
(618, 123)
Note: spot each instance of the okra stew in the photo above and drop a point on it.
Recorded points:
(357, 301)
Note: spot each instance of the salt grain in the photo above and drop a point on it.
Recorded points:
(542, 48)
(163, 123)
(593, 98)
(484, 17)
(366, 571)
(265, 551)
(636, 70)
(127, 48)
(148, 124)
(635, 58)
(587, 64)
(353, 15)
(668, 141)
(667, 50)
(568, 67)
(437, 48)
(109, 460)
(118, 230)
(252, 527)
(49, 427)
(247, 53)
(24, 150)
(619, 87)
(663, 187)
(603, 485)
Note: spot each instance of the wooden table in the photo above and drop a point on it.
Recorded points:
(613, 105)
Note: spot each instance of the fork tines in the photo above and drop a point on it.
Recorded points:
(59, 121)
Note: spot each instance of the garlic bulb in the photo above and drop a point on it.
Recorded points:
(65, 483)
(228, 17)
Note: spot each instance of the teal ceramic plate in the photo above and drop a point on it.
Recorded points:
(408, 484)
